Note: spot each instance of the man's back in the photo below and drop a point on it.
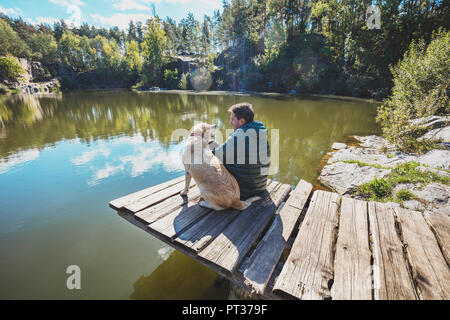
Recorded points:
(246, 155)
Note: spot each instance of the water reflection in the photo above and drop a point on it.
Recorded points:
(170, 281)
(308, 126)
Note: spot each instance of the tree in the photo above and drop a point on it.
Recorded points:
(44, 47)
(11, 43)
(10, 68)
(421, 85)
(154, 51)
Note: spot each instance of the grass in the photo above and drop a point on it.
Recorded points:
(382, 189)
(364, 164)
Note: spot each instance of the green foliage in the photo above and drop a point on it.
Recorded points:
(171, 78)
(404, 195)
(10, 68)
(377, 189)
(183, 83)
(44, 47)
(421, 83)
(409, 172)
(10, 42)
(154, 52)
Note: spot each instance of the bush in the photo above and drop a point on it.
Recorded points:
(171, 78)
(10, 68)
(183, 84)
(421, 84)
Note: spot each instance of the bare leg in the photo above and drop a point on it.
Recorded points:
(187, 183)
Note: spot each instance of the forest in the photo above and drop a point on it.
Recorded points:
(301, 46)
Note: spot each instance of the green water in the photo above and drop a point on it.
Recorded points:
(63, 158)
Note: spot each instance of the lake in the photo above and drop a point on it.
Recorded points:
(64, 157)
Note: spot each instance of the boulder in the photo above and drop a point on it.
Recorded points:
(442, 134)
(371, 156)
(338, 146)
(375, 142)
(345, 177)
(431, 122)
(438, 159)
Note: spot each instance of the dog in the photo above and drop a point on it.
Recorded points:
(218, 187)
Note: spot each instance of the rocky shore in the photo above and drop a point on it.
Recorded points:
(373, 169)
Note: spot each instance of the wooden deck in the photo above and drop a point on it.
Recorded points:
(299, 244)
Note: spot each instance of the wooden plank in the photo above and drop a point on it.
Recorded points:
(264, 259)
(162, 209)
(231, 246)
(156, 197)
(178, 220)
(206, 230)
(440, 225)
(352, 268)
(119, 203)
(430, 272)
(308, 270)
(392, 280)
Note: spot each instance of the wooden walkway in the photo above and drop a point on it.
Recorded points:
(299, 244)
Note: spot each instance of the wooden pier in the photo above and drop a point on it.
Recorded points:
(300, 244)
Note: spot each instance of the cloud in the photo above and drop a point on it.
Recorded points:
(124, 5)
(42, 20)
(18, 158)
(88, 156)
(121, 20)
(10, 11)
(73, 8)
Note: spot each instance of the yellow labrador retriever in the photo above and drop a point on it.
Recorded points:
(218, 187)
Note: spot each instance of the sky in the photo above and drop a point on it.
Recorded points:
(105, 13)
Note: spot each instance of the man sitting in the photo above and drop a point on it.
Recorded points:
(246, 153)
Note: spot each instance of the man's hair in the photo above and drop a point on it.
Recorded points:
(243, 111)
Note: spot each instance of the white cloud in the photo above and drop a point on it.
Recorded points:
(124, 5)
(121, 20)
(18, 158)
(88, 156)
(44, 20)
(10, 11)
(73, 8)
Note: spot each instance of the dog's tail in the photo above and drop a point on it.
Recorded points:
(242, 205)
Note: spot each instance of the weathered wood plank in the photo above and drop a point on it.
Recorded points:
(206, 230)
(392, 280)
(308, 271)
(162, 209)
(156, 197)
(440, 225)
(261, 264)
(121, 202)
(179, 220)
(352, 269)
(430, 272)
(231, 246)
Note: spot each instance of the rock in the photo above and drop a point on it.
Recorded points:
(345, 177)
(371, 156)
(414, 205)
(439, 159)
(431, 122)
(437, 195)
(436, 171)
(442, 134)
(375, 142)
(338, 146)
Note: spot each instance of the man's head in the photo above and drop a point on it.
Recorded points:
(241, 114)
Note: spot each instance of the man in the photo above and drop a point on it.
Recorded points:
(246, 153)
